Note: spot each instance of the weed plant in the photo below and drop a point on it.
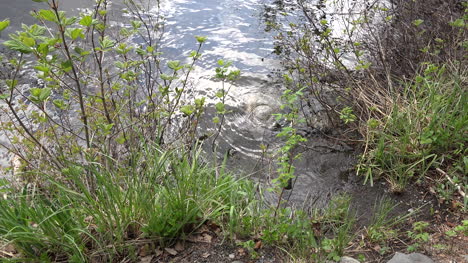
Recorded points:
(162, 196)
(426, 129)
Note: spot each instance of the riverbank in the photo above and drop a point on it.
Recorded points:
(109, 148)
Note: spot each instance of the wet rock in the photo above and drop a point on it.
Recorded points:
(348, 260)
(410, 258)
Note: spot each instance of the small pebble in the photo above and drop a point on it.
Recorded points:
(348, 260)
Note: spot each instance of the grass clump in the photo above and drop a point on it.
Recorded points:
(425, 130)
(92, 214)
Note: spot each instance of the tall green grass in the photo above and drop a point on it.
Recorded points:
(95, 213)
(426, 129)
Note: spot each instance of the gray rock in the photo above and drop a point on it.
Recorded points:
(411, 258)
(348, 260)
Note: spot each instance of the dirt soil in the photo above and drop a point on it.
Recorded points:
(441, 217)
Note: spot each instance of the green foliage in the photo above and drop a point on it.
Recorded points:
(159, 197)
(250, 246)
(4, 24)
(200, 39)
(418, 22)
(347, 115)
(418, 235)
(460, 229)
(117, 100)
(322, 234)
(225, 73)
(425, 130)
(285, 154)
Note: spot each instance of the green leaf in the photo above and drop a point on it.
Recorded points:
(200, 39)
(166, 77)
(174, 65)
(43, 48)
(140, 51)
(45, 93)
(194, 54)
(418, 22)
(136, 24)
(450, 233)
(200, 102)
(35, 93)
(458, 23)
(67, 66)
(220, 107)
(86, 21)
(233, 74)
(60, 104)
(68, 21)
(120, 140)
(18, 46)
(30, 42)
(187, 109)
(48, 15)
(11, 83)
(4, 24)
(76, 33)
(106, 43)
(220, 94)
(43, 68)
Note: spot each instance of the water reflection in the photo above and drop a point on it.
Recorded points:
(233, 29)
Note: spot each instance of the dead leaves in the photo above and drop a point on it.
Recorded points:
(171, 251)
(258, 245)
(146, 259)
(8, 251)
(200, 238)
(179, 246)
(205, 233)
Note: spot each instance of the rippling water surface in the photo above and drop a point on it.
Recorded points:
(233, 28)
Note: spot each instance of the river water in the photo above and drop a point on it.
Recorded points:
(236, 33)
